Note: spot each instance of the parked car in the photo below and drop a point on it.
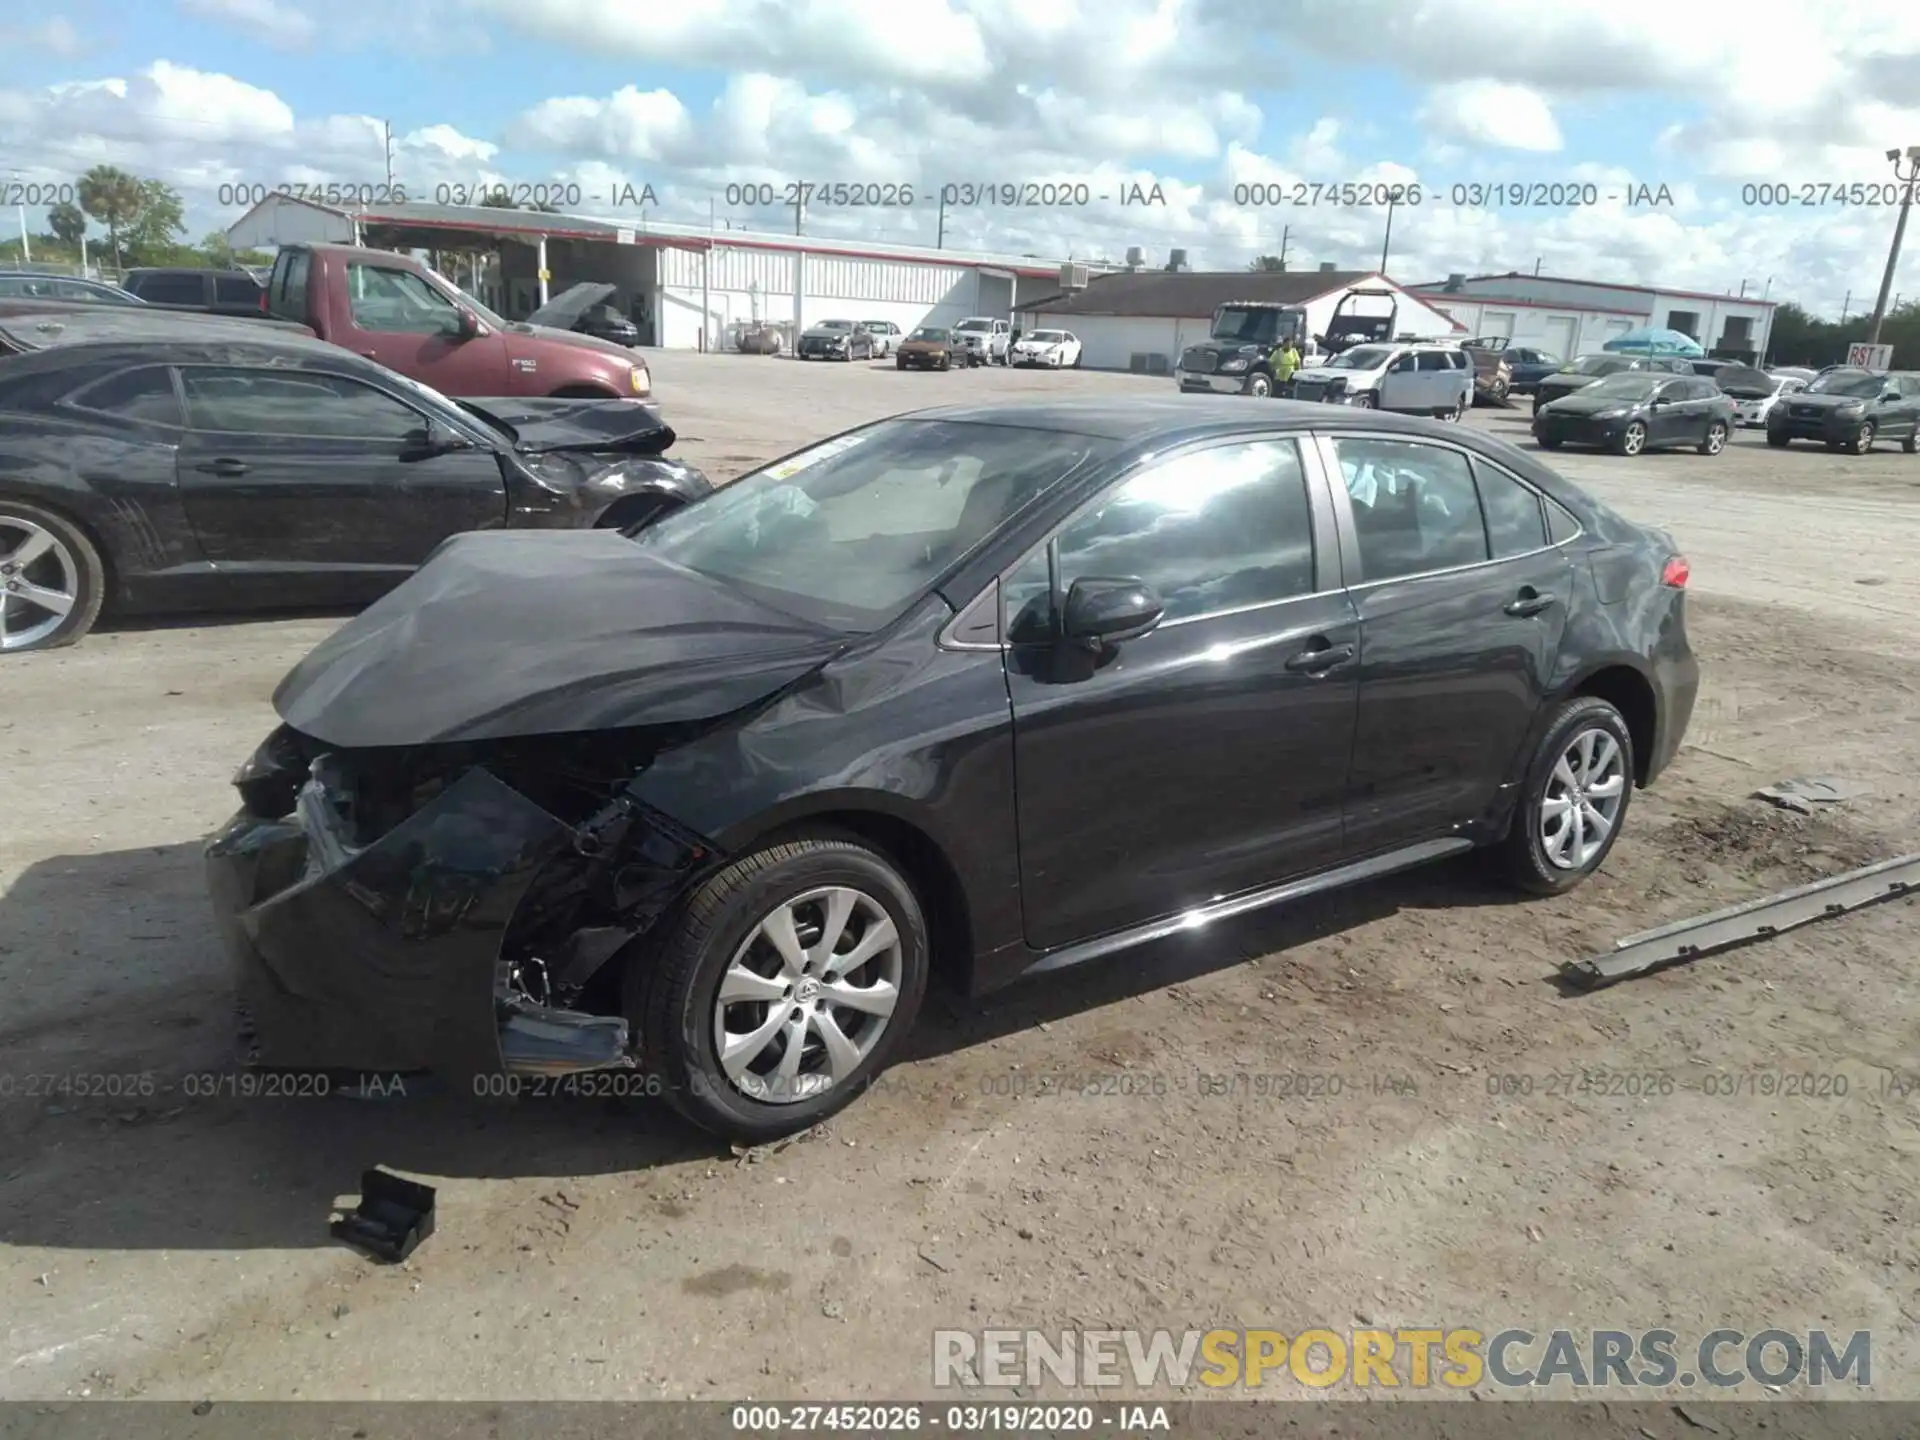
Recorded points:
(1492, 375)
(27, 326)
(249, 469)
(855, 718)
(70, 289)
(985, 341)
(583, 308)
(1589, 368)
(1054, 349)
(391, 308)
(1529, 366)
(931, 347)
(1755, 392)
(1792, 372)
(1851, 409)
(835, 340)
(219, 292)
(1638, 410)
(886, 337)
(1434, 380)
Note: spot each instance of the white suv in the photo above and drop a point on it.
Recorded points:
(984, 340)
(1414, 379)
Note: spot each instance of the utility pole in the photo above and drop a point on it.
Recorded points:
(1908, 176)
(1845, 306)
(387, 126)
(1286, 233)
(1386, 242)
(799, 214)
(940, 234)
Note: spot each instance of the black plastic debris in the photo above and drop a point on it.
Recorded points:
(393, 1217)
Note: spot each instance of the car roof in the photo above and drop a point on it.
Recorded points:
(212, 345)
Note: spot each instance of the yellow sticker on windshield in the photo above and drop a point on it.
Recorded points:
(794, 464)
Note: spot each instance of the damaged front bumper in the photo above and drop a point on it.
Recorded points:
(412, 952)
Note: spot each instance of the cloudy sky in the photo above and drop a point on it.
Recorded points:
(1730, 109)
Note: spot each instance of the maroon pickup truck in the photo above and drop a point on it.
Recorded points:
(394, 310)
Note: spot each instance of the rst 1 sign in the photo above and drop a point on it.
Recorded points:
(1878, 358)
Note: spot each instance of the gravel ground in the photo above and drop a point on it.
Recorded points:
(172, 1245)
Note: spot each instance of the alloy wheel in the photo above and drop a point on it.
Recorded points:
(1716, 438)
(1635, 440)
(39, 583)
(1585, 790)
(1865, 442)
(807, 995)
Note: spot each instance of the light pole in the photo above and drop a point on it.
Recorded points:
(1909, 176)
(1386, 243)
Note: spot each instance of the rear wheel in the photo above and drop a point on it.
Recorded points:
(52, 581)
(1574, 800)
(1716, 440)
(786, 983)
(1911, 443)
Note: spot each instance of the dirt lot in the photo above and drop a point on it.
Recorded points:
(174, 1246)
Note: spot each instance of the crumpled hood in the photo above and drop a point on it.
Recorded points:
(545, 424)
(510, 633)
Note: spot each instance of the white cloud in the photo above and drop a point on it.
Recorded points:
(272, 21)
(1490, 113)
(57, 36)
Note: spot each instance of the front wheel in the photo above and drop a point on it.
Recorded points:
(1863, 442)
(1547, 442)
(1366, 400)
(1574, 799)
(1912, 443)
(52, 581)
(1778, 439)
(786, 983)
(1633, 439)
(1716, 440)
(1260, 386)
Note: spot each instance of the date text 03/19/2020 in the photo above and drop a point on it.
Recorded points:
(1467, 195)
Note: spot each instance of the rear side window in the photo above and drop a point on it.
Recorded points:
(146, 394)
(235, 290)
(172, 289)
(1561, 523)
(288, 293)
(1434, 360)
(1515, 525)
(1415, 508)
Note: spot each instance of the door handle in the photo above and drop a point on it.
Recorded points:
(1320, 659)
(1531, 602)
(222, 467)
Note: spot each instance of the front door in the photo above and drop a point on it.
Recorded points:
(407, 324)
(1675, 416)
(1462, 604)
(1208, 757)
(1402, 387)
(301, 478)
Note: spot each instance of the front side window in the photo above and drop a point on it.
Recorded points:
(1415, 508)
(173, 289)
(1211, 530)
(398, 302)
(1435, 360)
(847, 532)
(291, 402)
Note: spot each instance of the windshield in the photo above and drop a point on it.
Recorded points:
(1255, 326)
(1364, 357)
(1633, 385)
(1846, 382)
(974, 325)
(847, 532)
(1597, 365)
(926, 333)
(1047, 337)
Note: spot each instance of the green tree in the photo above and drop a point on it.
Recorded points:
(113, 197)
(155, 231)
(217, 248)
(68, 221)
(1267, 264)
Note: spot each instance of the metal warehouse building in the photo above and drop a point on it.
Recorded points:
(1575, 317)
(686, 286)
(1141, 320)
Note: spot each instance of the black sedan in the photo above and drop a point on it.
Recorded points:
(218, 470)
(1578, 374)
(1851, 410)
(1638, 410)
(900, 705)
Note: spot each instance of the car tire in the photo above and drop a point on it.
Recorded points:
(1366, 400)
(1076, 363)
(1863, 442)
(1260, 387)
(1716, 440)
(61, 559)
(1547, 442)
(1530, 856)
(899, 364)
(1778, 439)
(1633, 439)
(1912, 443)
(675, 1007)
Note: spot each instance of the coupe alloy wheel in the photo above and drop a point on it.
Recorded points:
(1584, 793)
(39, 582)
(807, 995)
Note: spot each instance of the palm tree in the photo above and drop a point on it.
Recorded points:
(67, 222)
(113, 197)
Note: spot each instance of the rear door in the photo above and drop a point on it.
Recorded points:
(1207, 757)
(303, 477)
(1439, 381)
(395, 316)
(1462, 604)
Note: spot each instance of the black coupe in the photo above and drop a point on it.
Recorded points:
(229, 467)
(1639, 410)
(974, 692)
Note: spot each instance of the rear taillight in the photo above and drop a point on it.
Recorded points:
(263, 302)
(1677, 572)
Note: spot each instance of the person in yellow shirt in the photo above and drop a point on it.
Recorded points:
(1286, 361)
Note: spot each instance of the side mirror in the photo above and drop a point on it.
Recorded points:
(466, 324)
(431, 440)
(1110, 609)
